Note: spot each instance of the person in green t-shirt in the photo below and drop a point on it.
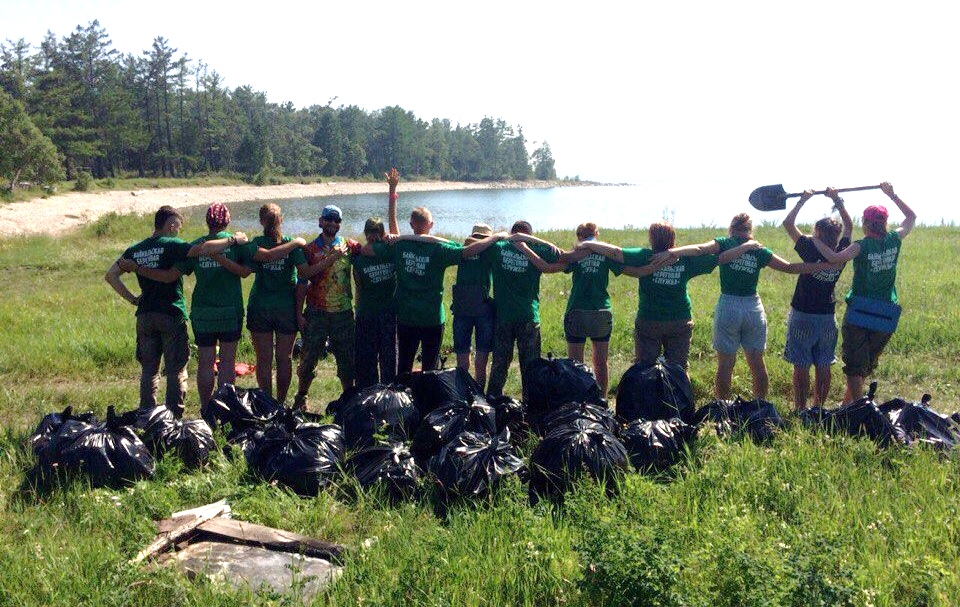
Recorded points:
(376, 317)
(216, 309)
(739, 319)
(874, 285)
(161, 310)
(588, 312)
(516, 298)
(277, 261)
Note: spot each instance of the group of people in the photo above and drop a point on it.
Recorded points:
(397, 282)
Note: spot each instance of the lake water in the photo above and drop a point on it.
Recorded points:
(687, 204)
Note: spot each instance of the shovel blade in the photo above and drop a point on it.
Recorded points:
(769, 198)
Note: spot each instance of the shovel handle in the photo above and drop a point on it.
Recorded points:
(858, 189)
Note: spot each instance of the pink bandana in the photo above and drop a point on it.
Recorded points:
(218, 214)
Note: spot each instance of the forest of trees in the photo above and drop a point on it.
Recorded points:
(76, 104)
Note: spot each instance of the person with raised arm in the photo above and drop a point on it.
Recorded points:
(421, 261)
(873, 309)
(739, 319)
(271, 309)
(811, 325)
(327, 319)
(161, 309)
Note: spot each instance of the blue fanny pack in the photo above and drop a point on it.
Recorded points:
(873, 314)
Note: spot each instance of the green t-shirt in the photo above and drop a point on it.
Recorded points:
(376, 284)
(590, 278)
(516, 282)
(217, 302)
(160, 252)
(875, 268)
(275, 284)
(472, 272)
(740, 276)
(420, 268)
(663, 294)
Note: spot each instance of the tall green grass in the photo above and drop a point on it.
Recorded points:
(806, 520)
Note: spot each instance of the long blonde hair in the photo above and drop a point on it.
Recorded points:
(270, 218)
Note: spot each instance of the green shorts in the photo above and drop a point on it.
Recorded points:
(861, 349)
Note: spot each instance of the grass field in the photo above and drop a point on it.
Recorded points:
(806, 520)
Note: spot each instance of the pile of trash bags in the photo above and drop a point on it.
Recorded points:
(435, 433)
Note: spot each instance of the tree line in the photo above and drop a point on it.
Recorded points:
(76, 105)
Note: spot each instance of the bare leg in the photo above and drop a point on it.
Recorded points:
(205, 377)
(575, 351)
(758, 371)
(480, 368)
(821, 390)
(284, 351)
(601, 350)
(227, 372)
(263, 347)
(725, 363)
(854, 388)
(801, 387)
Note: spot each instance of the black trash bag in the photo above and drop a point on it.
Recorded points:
(57, 429)
(568, 452)
(861, 417)
(511, 414)
(550, 382)
(191, 440)
(471, 465)
(569, 412)
(432, 389)
(446, 422)
(655, 445)
(757, 418)
(303, 456)
(918, 423)
(109, 454)
(390, 465)
(658, 391)
(378, 410)
(240, 408)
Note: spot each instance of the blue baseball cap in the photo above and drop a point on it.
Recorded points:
(331, 211)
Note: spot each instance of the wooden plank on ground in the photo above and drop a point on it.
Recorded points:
(268, 537)
(166, 540)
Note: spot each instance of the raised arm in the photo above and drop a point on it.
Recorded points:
(844, 213)
(603, 248)
(790, 221)
(278, 252)
(113, 279)
(475, 248)
(393, 178)
(231, 266)
(782, 265)
(731, 254)
(218, 245)
(537, 261)
(909, 217)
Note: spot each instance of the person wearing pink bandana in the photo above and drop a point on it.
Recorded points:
(872, 305)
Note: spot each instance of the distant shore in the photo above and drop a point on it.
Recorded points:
(64, 212)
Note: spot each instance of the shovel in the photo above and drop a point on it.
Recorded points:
(774, 197)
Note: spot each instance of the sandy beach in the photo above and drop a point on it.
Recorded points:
(63, 212)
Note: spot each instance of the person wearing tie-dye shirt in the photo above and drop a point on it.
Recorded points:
(328, 314)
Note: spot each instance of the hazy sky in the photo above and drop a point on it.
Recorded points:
(809, 94)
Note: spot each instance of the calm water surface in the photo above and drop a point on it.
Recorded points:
(688, 204)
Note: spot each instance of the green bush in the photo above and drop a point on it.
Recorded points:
(83, 182)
